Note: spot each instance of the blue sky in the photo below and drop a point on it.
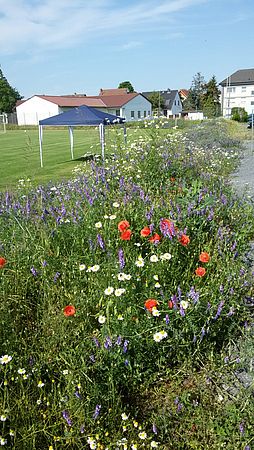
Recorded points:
(65, 46)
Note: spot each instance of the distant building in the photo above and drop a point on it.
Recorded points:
(172, 102)
(132, 106)
(183, 94)
(237, 91)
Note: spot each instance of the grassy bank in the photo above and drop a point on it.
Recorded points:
(125, 291)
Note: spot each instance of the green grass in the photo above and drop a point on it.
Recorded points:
(20, 157)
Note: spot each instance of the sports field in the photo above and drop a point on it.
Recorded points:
(20, 154)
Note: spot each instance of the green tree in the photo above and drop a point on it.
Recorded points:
(157, 101)
(211, 98)
(196, 92)
(127, 85)
(8, 95)
(239, 114)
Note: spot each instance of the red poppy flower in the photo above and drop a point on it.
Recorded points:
(145, 232)
(69, 310)
(204, 257)
(126, 235)
(200, 271)
(2, 261)
(154, 238)
(184, 240)
(150, 304)
(170, 304)
(123, 225)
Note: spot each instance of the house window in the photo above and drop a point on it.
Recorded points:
(117, 112)
(144, 113)
(252, 103)
(175, 102)
(243, 88)
(252, 92)
(178, 103)
(148, 113)
(231, 89)
(133, 114)
(139, 115)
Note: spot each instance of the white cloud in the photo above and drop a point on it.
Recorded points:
(32, 25)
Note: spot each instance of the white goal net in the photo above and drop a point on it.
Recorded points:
(3, 122)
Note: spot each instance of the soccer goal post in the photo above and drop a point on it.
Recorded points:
(3, 122)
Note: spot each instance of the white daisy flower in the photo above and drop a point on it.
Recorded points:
(157, 285)
(157, 337)
(166, 257)
(112, 217)
(155, 277)
(109, 290)
(40, 384)
(121, 276)
(3, 418)
(119, 292)
(142, 435)
(124, 416)
(106, 217)
(3, 441)
(134, 447)
(184, 304)
(98, 225)
(155, 312)
(82, 267)
(116, 204)
(128, 277)
(120, 317)
(154, 258)
(95, 268)
(154, 444)
(101, 319)
(21, 371)
(140, 262)
(5, 359)
(65, 372)
(163, 334)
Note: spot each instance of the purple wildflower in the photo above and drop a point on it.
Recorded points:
(96, 342)
(82, 429)
(108, 342)
(119, 340)
(219, 310)
(155, 431)
(241, 428)
(167, 319)
(44, 263)
(97, 411)
(125, 346)
(193, 295)
(92, 358)
(182, 312)
(66, 417)
(34, 271)
(121, 258)
(77, 394)
(57, 275)
(126, 362)
(100, 241)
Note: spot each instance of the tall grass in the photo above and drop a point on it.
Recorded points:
(123, 290)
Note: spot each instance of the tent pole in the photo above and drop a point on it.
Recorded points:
(71, 141)
(40, 142)
(102, 138)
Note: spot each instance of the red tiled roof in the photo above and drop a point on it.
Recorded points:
(72, 101)
(96, 101)
(116, 101)
(184, 92)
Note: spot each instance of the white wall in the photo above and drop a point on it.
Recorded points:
(35, 109)
(176, 108)
(139, 105)
(237, 96)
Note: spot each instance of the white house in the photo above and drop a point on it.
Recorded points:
(132, 106)
(237, 90)
(172, 102)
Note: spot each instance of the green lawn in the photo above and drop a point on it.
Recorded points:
(20, 157)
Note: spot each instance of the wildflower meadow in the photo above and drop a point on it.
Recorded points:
(126, 300)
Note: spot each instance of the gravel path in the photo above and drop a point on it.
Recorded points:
(243, 179)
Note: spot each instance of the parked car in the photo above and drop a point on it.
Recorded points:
(250, 121)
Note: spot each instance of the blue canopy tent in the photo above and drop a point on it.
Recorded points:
(81, 116)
